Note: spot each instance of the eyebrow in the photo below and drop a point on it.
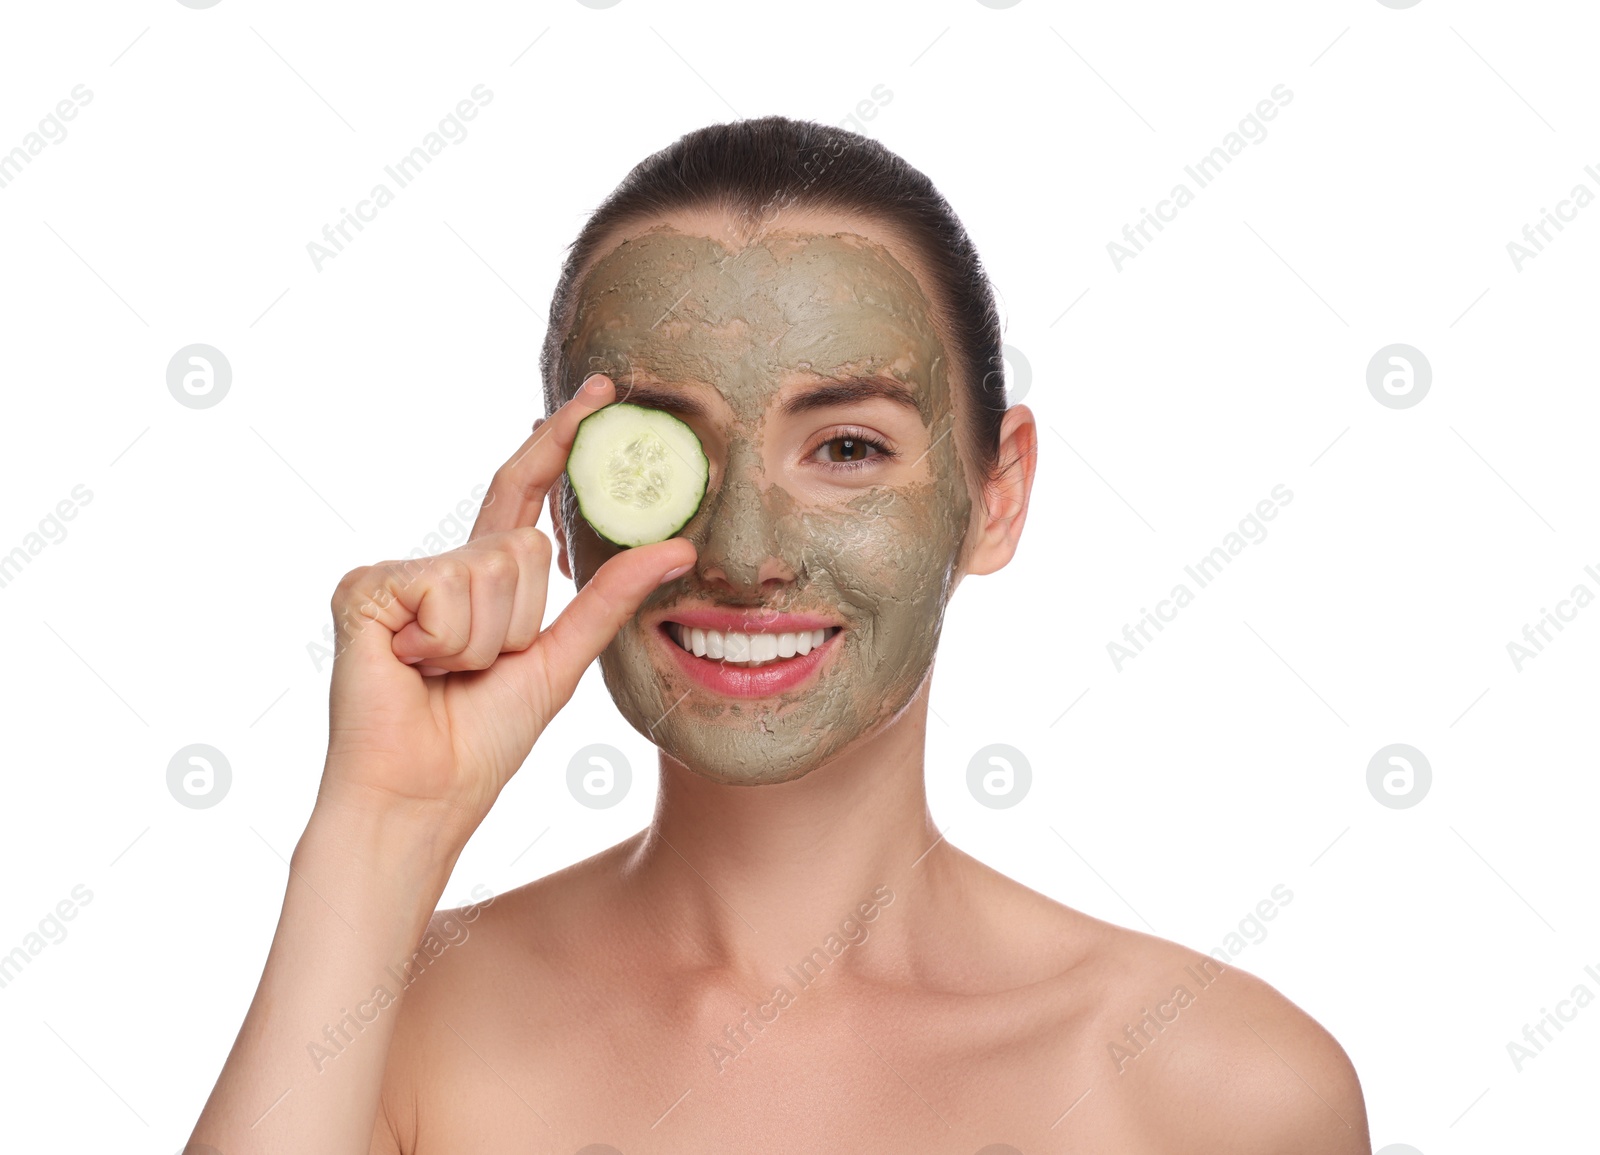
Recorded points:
(847, 390)
(669, 400)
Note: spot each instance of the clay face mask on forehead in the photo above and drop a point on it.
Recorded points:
(880, 558)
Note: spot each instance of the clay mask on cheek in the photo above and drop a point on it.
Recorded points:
(880, 559)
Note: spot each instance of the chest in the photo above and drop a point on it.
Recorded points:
(835, 1074)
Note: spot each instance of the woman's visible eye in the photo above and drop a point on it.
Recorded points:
(850, 448)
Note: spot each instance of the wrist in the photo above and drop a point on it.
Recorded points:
(401, 853)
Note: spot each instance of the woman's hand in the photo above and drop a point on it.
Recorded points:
(444, 679)
(414, 762)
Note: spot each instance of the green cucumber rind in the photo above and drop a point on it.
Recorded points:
(654, 416)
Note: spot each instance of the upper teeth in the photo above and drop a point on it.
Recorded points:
(746, 649)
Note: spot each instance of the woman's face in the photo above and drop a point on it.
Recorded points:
(801, 514)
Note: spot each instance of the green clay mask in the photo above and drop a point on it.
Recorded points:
(880, 558)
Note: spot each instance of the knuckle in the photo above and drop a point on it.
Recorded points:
(451, 571)
(606, 599)
(499, 568)
(403, 573)
(504, 485)
(350, 587)
(347, 580)
(538, 544)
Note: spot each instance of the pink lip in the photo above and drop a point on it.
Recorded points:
(746, 681)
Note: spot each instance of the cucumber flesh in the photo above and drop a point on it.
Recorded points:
(639, 474)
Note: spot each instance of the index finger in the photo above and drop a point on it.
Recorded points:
(518, 488)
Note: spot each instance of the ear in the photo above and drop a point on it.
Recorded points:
(1005, 500)
(560, 531)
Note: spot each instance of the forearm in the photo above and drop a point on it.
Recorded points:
(307, 1067)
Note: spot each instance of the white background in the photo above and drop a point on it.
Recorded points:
(370, 397)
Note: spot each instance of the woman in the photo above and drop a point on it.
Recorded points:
(789, 958)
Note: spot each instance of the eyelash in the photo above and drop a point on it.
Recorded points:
(859, 435)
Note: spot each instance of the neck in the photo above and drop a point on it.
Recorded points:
(756, 875)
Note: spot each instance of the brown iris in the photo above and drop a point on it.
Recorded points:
(851, 449)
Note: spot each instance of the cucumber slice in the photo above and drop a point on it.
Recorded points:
(639, 474)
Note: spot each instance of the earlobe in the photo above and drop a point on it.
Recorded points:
(1006, 498)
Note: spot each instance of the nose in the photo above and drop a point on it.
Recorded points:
(741, 540)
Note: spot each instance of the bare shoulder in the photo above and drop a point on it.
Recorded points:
(1156, 1046)
(1215, 1059)
(477, 970)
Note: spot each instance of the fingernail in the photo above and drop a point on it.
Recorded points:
(595, 383)
(412, 661)
(677, 573)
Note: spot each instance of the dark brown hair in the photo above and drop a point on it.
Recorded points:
(755, 169)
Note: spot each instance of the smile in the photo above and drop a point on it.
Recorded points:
(749, 650)
(748, 663)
